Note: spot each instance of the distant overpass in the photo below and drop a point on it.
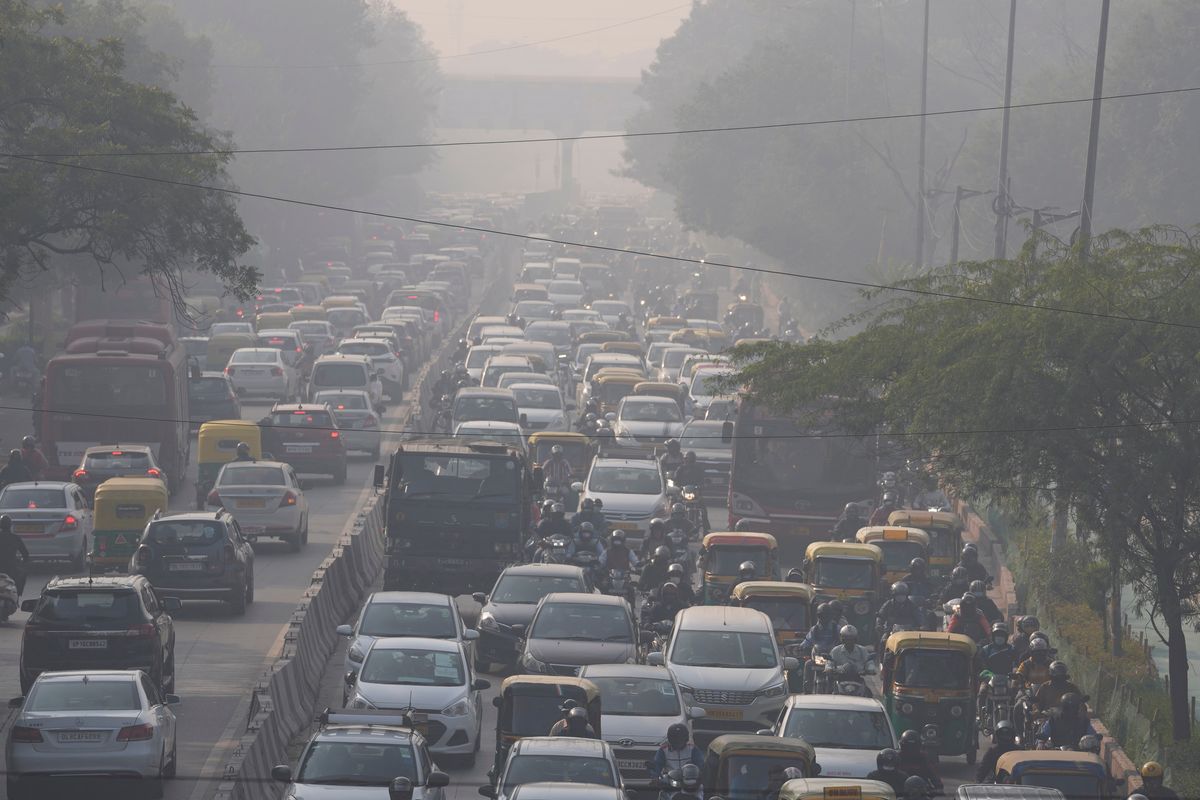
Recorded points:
(565, 106)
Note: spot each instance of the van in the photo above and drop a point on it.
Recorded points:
(472, 405)
(344, 371)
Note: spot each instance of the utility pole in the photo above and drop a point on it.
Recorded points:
(849, 60)
(1002, 199)
(1089, 177)
(919, 260)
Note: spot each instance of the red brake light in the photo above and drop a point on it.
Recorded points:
(214, 498)
(437, 316)
(229, 370)
(289, 499)
(154, 472)
(79, 475)
(117, 453)
(25, 735)
(334, 434)
(143, 631)
(70, 523)
(136, 733)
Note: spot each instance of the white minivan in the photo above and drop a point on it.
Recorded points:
(344, 371)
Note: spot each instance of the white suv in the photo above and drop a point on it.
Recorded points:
(383, 358)
(342, 371)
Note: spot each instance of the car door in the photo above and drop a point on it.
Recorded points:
(243, 547)
(83, 512)
(164, 718)
(162, 623)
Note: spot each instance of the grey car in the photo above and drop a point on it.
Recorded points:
(703, 437)
(570, 630)
(513, 601)
(391, 614)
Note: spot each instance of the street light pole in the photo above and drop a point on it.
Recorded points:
(919, 260)
(1002, 199)
(1089, 178)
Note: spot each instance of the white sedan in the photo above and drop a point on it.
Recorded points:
(51, 517)
(262, 371)
(541, 407)
(265, 498)
(99, 722)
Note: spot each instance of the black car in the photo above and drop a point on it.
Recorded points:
(513, 600)
(109, 622)
(211, 396)
(198, 556)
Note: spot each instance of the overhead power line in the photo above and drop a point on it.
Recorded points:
(611, 249)
(601, 136)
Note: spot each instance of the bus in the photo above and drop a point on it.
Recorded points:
(136, 298)
(791, 481)
(121, 382)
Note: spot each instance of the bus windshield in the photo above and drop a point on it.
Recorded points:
(98, 386)
(779, 455)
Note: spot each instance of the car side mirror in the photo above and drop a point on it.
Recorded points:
(696, 712)
(764, 732)
(577, 487)
(519, 630)
(345, 630)
(479, 684)
(726, 432)
(479, 597)
(16, 702)
(400, 789)
(172, 604)
(172, 699)
(437, 780)
(350, 678)
(487, 791)
(496, 702)
(470, 635)
(281, 773)
(656, 660)
(790, 664)
(380, 476)
(29, 605)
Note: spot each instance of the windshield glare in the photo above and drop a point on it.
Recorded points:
(651, 412)
(251, 476)
(582, 621)
(357, 763)
(732, 649)
(32, 498)
(528, 589)
(625, 480)
(637, 697)
(828, 727)
(413, 667)
(408, 619)
(537, 398)
(75, 697)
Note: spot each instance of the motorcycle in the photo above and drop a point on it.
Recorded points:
(817, 669)
(554, 550)
(671, 787)
(681, 554)
(555, 491)
(847, 681)
(586, 560)
(693, 508)
(10, 601)
(619, 584)
(997, 704)
(442, 410)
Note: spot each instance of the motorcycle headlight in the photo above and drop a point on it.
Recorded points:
(356, 654)
(862, 607)
(778, 690)
(459, 709)
(689, 496)
(532, 664)
(361, 702)
(956, 711)
(906, 709)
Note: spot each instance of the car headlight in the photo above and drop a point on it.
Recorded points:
(778, 690)
(356, 654)
(862, 607)
(486, 620)
(532, 664)
(361, 702)
(459, 709)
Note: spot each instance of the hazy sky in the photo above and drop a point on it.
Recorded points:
(460, 26)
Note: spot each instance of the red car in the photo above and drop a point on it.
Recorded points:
(307, 437)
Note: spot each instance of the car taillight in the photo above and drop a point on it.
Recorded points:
(25, 735)
(79, 475)
(144, 631)
(437, 316)
(229, 554)
(135, 733)
(214, 498)
(154, 473)
(334, 434)
(277, 372)
(69, 522)
(229, 370)
(143, 556)
(289, 499)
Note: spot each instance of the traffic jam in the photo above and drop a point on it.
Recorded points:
(606, 574)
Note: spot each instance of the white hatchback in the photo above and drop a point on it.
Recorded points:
(262, 371)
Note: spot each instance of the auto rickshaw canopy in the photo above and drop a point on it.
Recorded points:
(603, 337)
(1018, 761)
(749, 589)
(836, 789)
(740, 538)
(925, 520)
(577, 448)
(930, 640)
(218, 440)
(842, 550)
(671, 323)
(792, 751)
(884, 533)
(630, 348)
(547, 693)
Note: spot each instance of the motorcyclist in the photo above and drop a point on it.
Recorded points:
(1004, 740)
(13, 554)
(555, 523)
(243, 452)
(664, 608)
(839, 615)
(886, 507)
(1051, 693)
(35, 462)
(920, 587)
(690, 473)
(586, 423)
(654, 572)
(887, 770)
(691, 786)
(998, 656)
(655, 537)
(676, 752)
(672, 459)
(587, 542)
(1034, 669)
(557, 470)
(851, 519)
(589, 513)
(1026, 626)
(969, 620)
(849, 658)
(823, 635)
(1152, 782)
(618, 555)
(575, 724)
(444, 385)
(746, 572)
(15, 470)
(969, 560)
(679, 521)
(916, 788)
(960, 584)
(1067, 724)
(900, 610)
(986, 604)
(676, 575)
(914, 761)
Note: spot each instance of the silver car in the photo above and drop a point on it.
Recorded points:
(100, 722)
(357, 421)
(261, 371)
(847, 732)
(433, 680)
(726, 661)
(52, 518)
(541, 407)
(633, 492)
(647, 422)
(265, 498)
(638, 704)
(390, 614)
(558, 759)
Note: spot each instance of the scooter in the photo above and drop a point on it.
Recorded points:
(847, 681)
(10, 601)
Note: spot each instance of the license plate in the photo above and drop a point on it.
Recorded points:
(625, 526)
(185, 566)
(298, 448)
(629, 763)
(244, 371)
(27, 527)
(254, 502)
(87, 644)
(253, 530)
(73, 737)
(723, 713)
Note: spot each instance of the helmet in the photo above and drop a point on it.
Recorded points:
(5, 523)
(28, 441)
(969, 555)
(577, 718)
(1029, 625)
(1005, 732)
(978, 589)
(746, 567)
(675, 569)
(743, 525)
(588, 502)
(673, 445)
(917, 565)
(889, 497)
(556, 450)
(547, 506)
(689, 456)
(662, 552)
(1039, 646)
(1000, 628)
(848, 634)
(677, 735)
(909, 740)
(1151, 769)
(558, 508)
(599, 503)
(243, 449)
(669, 588)
(967, 603)
(586, 531)
(1039, 635)
(823, 612)
(900, 589)
(589, 417)
(888, 758)
(795, 575)
(835, 608)
(1090, 743)
(1058, 670)
(611, 416)
(958, 574)
(1071, 702)
(567, 705)
(657, 524)
(677, 510)
(618, 537)
(690, 777)
(789, 774)
(916, 786)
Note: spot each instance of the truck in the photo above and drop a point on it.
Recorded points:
(457, 513)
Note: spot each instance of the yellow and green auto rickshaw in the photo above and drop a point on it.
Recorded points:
(899, 545)
(1076, 774)
(529, 705)
(221, 347)
(273, 320)
(309, 314)
(747, 765)
(723, 552)
(789, 605)
(673, 391)
(836, 789)
(945, 536)
(628, 348)
(929, 687)
(217, 444)
(667, 323)
(848, 572)
(122, 508)
(614, 386)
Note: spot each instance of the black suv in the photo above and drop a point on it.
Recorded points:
(110, 622)
(197, 556)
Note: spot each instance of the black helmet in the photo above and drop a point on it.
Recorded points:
(556, 450)
(969, 555)
(662, 552)
(677, 735)
(1005, 732)
(848, 634)
(835, 607)
(967, 603)
(558, 508)
(824, 612)
(1058, 670)
(577, 718)
(978, 589)
(909, 740)
(917, 565)
(1029, 625)
(618, 537)
(889, 497)
(243, 449)
(1039, 646)
(588, 502)
(669, 588)
(678, 510)
(743, 525)
(900, 589)
(999, 628)
(675, 569)
(887, 759)
(689, 456)
(673, 445)
(567, 705)
(29, 442)
(795, 575)
(690, 777)
(1071, 702)
(5, 523)
(958, 574)
(1090, 744)
(586, 531)
(916, 786)
(657, 524)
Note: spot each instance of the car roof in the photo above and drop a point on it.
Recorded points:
(95, 582)
(704, 424)
(550, 790)
(210, 374)
(561, 745)
(207, 516)
(413, 642)
(411, 598)
(638, 463)
(60, 485)
(624, 671)
(483, 391)
(246, 465)
(488, 425)
(836, 701)
(103, 448)
(320, 392)
(584, 598)
(715, 618)
(545, 387)
(364, 733)
(343, 357)
(649, 399)
(552, 570)
(299, 407)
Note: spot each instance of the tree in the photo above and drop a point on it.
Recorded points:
(62, 95)
(1013, 399)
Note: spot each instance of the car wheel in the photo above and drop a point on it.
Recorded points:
(237, 600)
(172, 768)
(295, 541)
(339, 477)
(304, 534)
(168, 671)
(250, 591)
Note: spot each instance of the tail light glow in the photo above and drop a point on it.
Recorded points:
(153, 472)
(214, 498)
(334, 435)
(289, 499)
(70, 523)
(79, 475)
(135, 733)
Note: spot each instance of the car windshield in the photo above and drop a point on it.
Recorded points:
(703, 437)
(413, 667)
(673, 359)
(255, 357)
(357, 763)
(610, 308)
(251, 476)
(704, 384)
(732, 649)
(537, 398)
(339, 375)
(230, 327)
(845, 573)
(565, 287)
(192, 531)
(208, 389)
(301, 419)
(590, 622)
(408, 619)
(502, 409)
(786, 614)
(562, 769)
(625, 480)
(726, 559)
(897, 555)
(840, 727)
(364, 347)
(756, 776)
(557, 335)
(637, 697)
(650, 412)
(529, 589)
(117, 459)
(310, 328)
(96, 606)
(85, 695)
(343, 402)
(13, 498)
(932, 669)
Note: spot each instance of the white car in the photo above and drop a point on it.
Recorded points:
(633, 491)
(391, 614)
(384, 359)
(94, 723)
(645, 421)
(666, 368)
(499, 364)
(847, 732)
(541, 407)
(265, 498)
(611, 310)
(53, 518)
(556, 759)
(702, 387)
(566, 293)
(477, 356)
(510, 379)
(357, 421)
(262, 372)
(431, 674)
(490, 430)
(552, 332)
